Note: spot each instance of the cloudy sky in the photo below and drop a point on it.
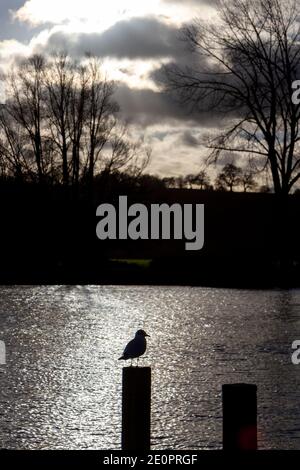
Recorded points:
(133, 38)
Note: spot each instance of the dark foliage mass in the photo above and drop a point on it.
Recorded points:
(48, 236)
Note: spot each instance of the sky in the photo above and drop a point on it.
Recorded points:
(133, 39)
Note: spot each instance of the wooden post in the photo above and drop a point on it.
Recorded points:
(136, 409)
(239, 417)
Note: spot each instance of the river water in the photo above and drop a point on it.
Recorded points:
(61, 385)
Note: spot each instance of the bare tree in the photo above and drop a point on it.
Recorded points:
(24, 104)
(180, 182)
(251, 57)
(229, 178)
(201, 180)
(59, 81)
(101, 115)
(169, 181)
(248, 180)
(59, 122)
(13, 148)
(78, 115)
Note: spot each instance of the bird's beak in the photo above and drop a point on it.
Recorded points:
(147, 335)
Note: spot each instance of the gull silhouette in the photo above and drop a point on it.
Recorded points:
(136, 347)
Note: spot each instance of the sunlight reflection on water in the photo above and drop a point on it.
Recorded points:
(61, 387)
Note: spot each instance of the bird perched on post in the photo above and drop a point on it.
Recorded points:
(136, 347)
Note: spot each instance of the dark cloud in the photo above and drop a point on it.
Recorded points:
(198, 107)
(147, 107)
(189, 139)
(137, 38)
(142, 38)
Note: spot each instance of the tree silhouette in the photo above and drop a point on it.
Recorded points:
(59, 123)
(201, 180)
(24, 109)
(229, 178)
(248, 180)
(251, 57)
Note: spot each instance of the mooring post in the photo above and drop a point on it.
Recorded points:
(239, 417)
(136, 409)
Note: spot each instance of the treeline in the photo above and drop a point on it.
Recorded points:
(59, 124)
(229, 178)
(133, 179)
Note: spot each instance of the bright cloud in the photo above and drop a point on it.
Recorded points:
(11, 48)
(170, 155)
(91, 15)
(87, 12)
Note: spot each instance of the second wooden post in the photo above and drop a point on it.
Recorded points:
(239, 417)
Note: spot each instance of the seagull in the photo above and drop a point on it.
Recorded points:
(136, 347)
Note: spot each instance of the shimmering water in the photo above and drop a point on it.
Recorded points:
(61, 387)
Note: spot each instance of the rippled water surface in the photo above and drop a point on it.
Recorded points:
(61, 387)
